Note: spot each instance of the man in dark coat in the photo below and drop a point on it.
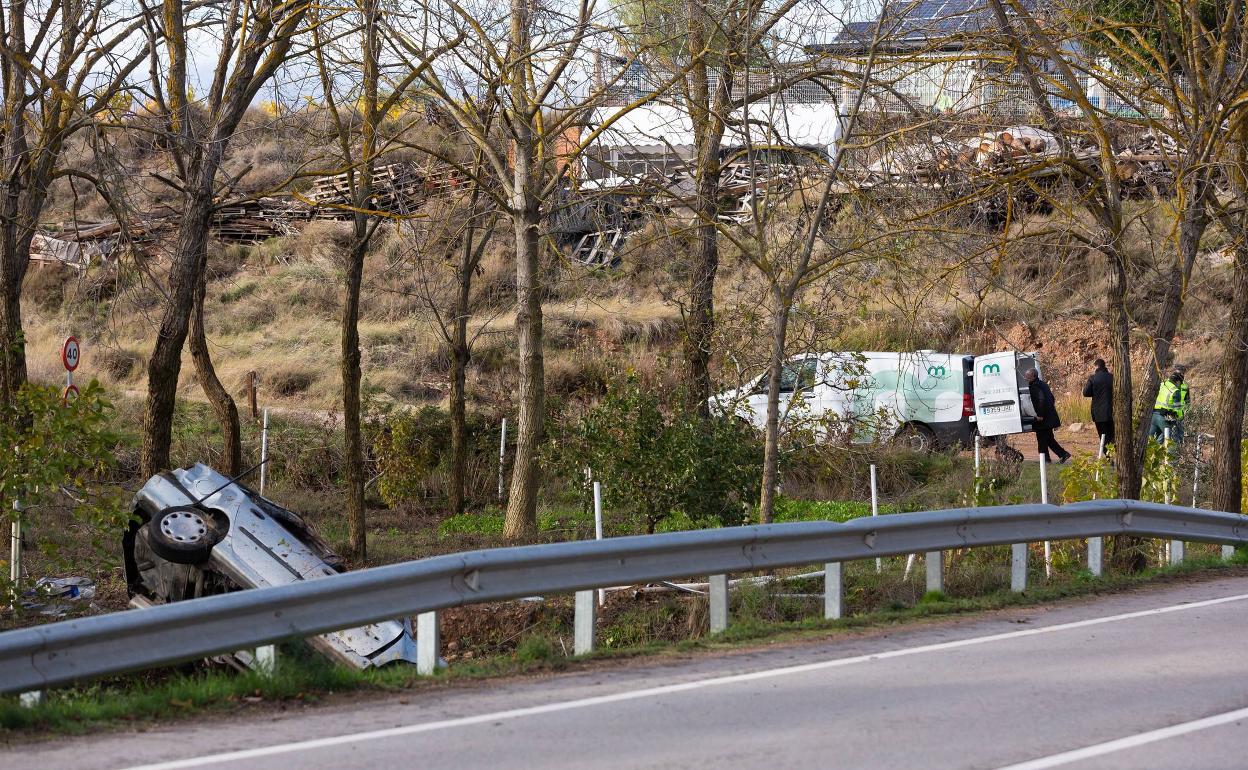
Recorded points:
(1047, 419)
(1100, 388)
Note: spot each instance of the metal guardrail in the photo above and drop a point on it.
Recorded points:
(74, 650)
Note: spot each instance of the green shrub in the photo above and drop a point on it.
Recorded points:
(1088, 477)
(789, 509)
(658, 461)
(472, 524)
(534, 649)
(413, 451)
(58, 453)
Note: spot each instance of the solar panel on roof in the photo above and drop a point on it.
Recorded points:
(916, 21)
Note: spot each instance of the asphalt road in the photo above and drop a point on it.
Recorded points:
(1155, 678)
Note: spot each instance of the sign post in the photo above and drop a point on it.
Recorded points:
(71, 354)
(502, 452)
(15, 552)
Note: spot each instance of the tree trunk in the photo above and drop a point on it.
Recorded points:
(1227, 480)
(14, 262)
(1124, 398)
(218, 396)
(353, 440)
(771, 443)
(12, 339)
(1125, 552)
(521, 519)
(165, 364)
(703, 265)
(1195, 220)
(460, 355)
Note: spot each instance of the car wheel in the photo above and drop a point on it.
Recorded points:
(182, 535)
(918, 438)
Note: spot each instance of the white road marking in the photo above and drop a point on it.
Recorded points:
(1130, 742)
(651, 692)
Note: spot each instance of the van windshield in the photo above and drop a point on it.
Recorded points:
(798, 375)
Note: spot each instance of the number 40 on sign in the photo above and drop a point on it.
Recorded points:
(70, 355)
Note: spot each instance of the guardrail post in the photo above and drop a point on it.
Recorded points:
(1096, 555)
(1227, 552)
(583, 625)
(833, 591)
(719, 603)
(428, 643)
(266, 659)
(1018, 567)
(935, 571)
(1177, 552)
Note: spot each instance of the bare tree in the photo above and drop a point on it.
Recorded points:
(445, 251)
(349, 54)
(712, 47)
(1153, 66)
(1227, 486)
(61, 64)
(255, 40)
(525, 62)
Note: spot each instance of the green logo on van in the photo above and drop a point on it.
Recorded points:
(992, 369)
(936, 371)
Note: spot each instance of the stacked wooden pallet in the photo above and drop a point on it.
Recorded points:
(397, 188)
(257, 220)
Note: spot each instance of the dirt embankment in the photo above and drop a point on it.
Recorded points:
(1068, 346)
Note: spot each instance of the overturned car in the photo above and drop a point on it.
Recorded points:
(198, 533)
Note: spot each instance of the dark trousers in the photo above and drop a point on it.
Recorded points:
(1045, 441)
(1106, 429)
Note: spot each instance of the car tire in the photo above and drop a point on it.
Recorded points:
(182, 535)
(918, 438)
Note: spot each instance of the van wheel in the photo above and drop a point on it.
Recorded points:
(918, 438)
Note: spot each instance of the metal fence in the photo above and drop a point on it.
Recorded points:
(76, 650)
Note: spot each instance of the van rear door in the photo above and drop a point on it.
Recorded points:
(1002, 401)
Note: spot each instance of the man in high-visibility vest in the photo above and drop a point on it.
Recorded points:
(1174, 398)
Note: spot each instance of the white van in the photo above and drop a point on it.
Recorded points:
(929, 398)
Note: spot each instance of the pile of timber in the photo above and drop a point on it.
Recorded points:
(1147, 165)
(252, 221)
(398, 188)
(940, 161)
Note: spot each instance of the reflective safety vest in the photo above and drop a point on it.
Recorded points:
(1173, 397)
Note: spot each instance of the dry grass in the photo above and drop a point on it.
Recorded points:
(274, 309)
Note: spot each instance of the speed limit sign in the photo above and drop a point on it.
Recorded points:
(70, 354)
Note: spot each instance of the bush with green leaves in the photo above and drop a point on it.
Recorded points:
(791, 509)
(413, 454)
(1090, 478)
(61, 454)
(657, 460)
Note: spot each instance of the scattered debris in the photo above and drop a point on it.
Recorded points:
(252, 221)
(57, 597)
(1146, 165)
(75, 254)
(599, 249)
